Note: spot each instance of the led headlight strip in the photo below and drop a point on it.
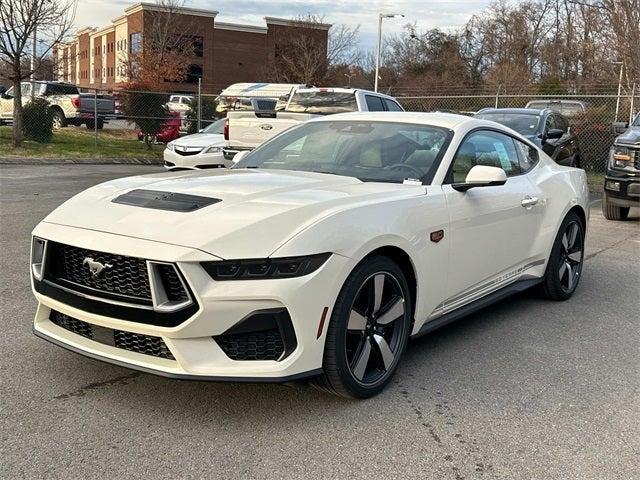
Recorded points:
(267, 268)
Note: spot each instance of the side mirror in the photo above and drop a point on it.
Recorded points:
(482, 176)
(240, 155)
(619, 127)
(554, 133)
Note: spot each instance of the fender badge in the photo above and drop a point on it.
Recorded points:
(437, 236)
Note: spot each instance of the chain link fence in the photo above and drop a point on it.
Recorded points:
(137, 124)
(590, 116)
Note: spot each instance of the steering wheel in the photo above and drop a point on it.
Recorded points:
(405, 166)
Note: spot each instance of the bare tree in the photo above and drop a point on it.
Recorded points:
(306, 55)
(167, 48)
(19, 20)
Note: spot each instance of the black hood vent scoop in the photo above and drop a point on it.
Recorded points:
(170, 201)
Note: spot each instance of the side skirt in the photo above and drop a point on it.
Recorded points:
(476, 305)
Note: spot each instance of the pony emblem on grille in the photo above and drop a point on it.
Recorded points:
(95, 267)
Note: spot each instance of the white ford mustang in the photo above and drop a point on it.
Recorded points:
(318, 256)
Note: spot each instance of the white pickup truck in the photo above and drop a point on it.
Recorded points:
(245, 130)
(68, 105)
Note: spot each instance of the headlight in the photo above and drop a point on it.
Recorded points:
(622, 158)
(260, 269)
(213, 150)
(171, 146)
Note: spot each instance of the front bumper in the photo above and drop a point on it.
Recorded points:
(221, 306)
(622, 188)
(199, 161)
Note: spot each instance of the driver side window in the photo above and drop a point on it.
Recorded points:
(487, 148)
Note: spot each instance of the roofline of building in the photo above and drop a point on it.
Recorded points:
(103, 30)
(85, 30)
(236, 27)
(119, 20)
(285, 22)
(158, 8)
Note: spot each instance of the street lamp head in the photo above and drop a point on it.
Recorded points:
(392, 15)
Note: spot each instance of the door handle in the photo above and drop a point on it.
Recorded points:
(528, 202)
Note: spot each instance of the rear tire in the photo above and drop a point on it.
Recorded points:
(613, 212)
(564, 268)
(59, 120)
(368, 330)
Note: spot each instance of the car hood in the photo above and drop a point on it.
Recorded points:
(257, 211)
(200, 140)
(630, 137)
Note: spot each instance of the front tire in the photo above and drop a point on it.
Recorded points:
(613, 212)
(564, 268)
(368, 331)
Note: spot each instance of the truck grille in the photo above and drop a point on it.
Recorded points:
(133, 342)
(124, 276)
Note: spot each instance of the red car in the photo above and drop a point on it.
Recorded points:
(169, 130)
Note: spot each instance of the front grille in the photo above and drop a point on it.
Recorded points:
(125, 276)
(189, 153)
(133, 342)
(264, 345)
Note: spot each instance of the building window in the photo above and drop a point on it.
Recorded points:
(198, 46)
(135, 42)
(194, 72)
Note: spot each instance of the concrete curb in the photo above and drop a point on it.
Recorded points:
(80, 161)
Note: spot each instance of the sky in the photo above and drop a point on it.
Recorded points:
(444, 14)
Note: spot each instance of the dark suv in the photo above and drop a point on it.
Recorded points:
(622, 178)
(546, 128)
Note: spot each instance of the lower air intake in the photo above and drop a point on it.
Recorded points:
(133, 342)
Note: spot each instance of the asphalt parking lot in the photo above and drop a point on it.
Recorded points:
(525, 389)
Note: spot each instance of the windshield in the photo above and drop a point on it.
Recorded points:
(522, 123)
(216, 127)
(636, 122)
(323, 102)
(368, 150)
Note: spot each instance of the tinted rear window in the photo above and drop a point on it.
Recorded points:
(57, 89)
(323, 103)
(522, 123)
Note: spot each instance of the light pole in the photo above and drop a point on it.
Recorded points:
(378, 51)
(349, 76)
(619, 89)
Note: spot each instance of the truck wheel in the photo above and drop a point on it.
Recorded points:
(100, 125)
(613, 212)
(59, 120)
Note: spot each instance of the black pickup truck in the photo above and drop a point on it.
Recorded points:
(622, 178)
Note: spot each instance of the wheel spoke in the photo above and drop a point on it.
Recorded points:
(563, 269)
(360, 365)
(378, 288)
(576, 256)
(385, 351)
(356, 321)
(393, 312)
(573, 234)
(565, 242)
(569, 276)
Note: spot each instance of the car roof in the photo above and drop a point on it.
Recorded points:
(438, 119)
(523, 111)
(341, 90)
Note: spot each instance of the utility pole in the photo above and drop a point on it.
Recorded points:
(619, 89)
(379, 49)
(33, 62)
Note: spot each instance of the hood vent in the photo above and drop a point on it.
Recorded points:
(170, 201)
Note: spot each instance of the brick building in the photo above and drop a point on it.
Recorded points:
(223, 53)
